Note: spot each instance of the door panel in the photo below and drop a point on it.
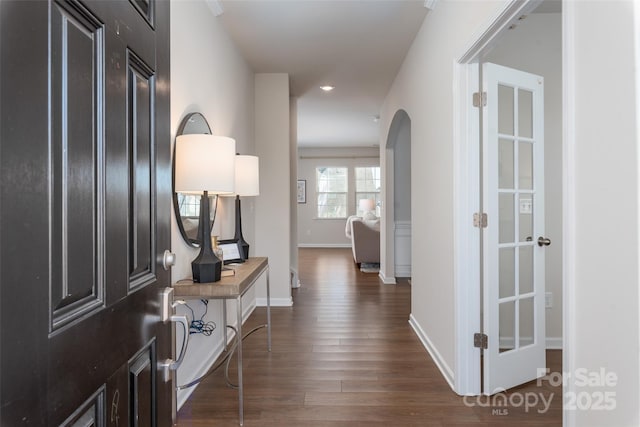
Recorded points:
(142, 385)
(514, 198)
(90, 414)
(77, 148)
(140, 105)
(84, 155)
(77, 49)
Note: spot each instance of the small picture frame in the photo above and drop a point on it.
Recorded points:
(231, 251)
(302, 191)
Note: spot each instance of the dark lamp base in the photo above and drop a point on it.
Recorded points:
(206, 270)
(244, 246)
(206, 267)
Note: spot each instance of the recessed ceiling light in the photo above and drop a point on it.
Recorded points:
(327, 88)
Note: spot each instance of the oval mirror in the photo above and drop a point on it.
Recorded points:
(187, 206)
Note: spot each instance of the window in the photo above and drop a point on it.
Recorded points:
(189, 205)
(368, 185)
(331, 192)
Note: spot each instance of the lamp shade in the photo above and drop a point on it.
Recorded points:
(205, 163)
(247, 176)
(366, 205)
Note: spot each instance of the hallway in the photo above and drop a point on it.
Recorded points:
(345, 355)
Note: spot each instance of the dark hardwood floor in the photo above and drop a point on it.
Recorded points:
(345, 355)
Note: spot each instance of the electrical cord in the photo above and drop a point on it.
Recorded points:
(225, 360)
(199, 326)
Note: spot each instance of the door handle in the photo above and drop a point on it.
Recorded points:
(173, 366)
(168, 259)
(169, 365)
(543, 241)
(168, 305)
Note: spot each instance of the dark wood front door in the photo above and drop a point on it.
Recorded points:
(84, 212)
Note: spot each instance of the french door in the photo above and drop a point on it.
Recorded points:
(84, 212)
(514, 241)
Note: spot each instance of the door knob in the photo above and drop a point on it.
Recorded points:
(168, 259)
(543, 241)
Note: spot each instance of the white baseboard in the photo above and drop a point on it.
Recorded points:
(386, 280)
(275, 302)
(324, 245)
(446, 371)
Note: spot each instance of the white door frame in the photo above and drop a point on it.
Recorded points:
(467, 269)
(569, 212)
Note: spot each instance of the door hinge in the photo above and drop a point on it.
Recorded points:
(481, 341)
(479, 99)
(480, 220)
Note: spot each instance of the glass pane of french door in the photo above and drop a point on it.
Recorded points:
(515, 218)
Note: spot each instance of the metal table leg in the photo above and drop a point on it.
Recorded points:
(224, 323)
(240, 385)
(268, 313)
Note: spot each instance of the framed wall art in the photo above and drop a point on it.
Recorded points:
(302, 191)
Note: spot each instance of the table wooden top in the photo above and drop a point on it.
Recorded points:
(227, 287)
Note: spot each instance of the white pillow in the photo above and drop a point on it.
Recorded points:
(370, 216)
(347, 229)
(373, 224)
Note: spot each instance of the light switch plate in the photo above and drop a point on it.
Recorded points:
(526, 206)
(548, 300)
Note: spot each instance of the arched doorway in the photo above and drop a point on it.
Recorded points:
(396, 234)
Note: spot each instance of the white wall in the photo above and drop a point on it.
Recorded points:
(424, 89)
(600, 189)
(314, 232)
(535, 46)
(602, 329)
(402, 174)
(210, 76)
(273, 227)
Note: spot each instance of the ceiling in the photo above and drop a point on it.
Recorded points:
(356, 46)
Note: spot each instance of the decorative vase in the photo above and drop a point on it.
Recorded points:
(216, 249)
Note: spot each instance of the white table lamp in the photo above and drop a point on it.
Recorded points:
(366, 205)
(205, 164)
(247, 184)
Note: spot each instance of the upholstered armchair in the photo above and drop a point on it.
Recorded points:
(365, 239)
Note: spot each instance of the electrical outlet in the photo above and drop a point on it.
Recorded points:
(548, 300)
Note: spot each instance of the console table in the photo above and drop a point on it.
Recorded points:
(231, 287)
